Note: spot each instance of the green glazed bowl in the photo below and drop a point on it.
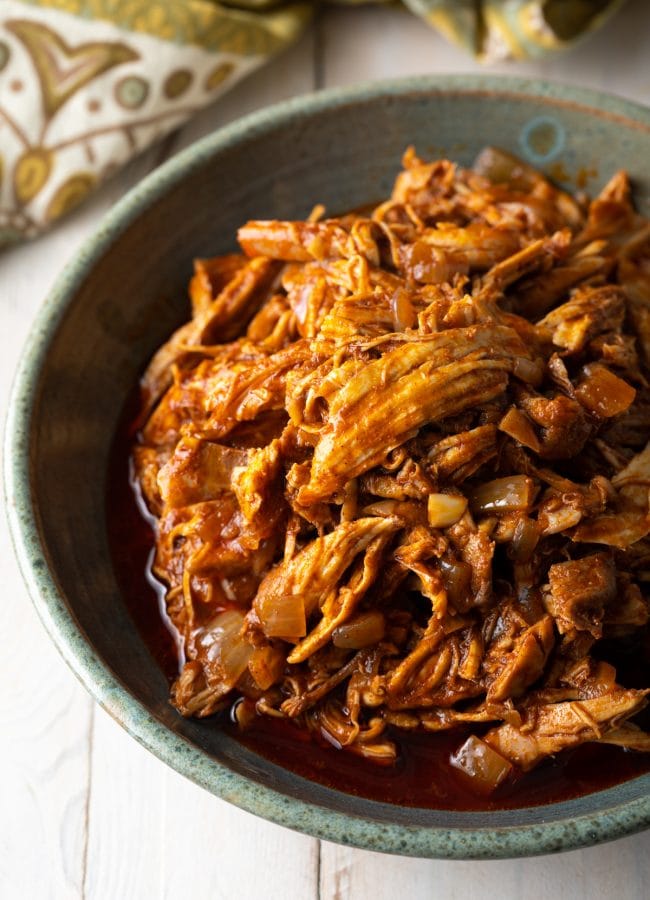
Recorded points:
(123, 295)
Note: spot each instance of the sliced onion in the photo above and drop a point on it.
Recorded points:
(524, 540)
(404, 509)
(364, 630)
(501, 167)
(603, 393)
(486, 768)
(226, 648)
(553, 521)
(529, 370)
(444, 510)
(517, 425)
(284, 616)
(383, 753)
(266, 666)
(458, 579)
(504, 494)
(404, 315)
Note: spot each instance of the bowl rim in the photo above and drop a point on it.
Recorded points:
(572, 825)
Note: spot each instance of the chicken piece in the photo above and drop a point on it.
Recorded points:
(370, 302)
(618, 351)
(294, 589)
(415, 550)
(440, 253)
(579, 591)
(501, 167)
(566, 503)
(359, 315)
(338, 607)
(590, 311)
(620, 529)
(336, 720)
(184, 401)
(311, 294)
(634, 277)
(219, 394)
(386, 402)
(536, 296)
(550, 728)
(222, 320)
(210, 539)
(539, 256)
(476, 549)
(444, 719)
(273, 326)
(198, 470)
(633, 481)
(525, 663)
(564, 427)
(429, 676)
(147, 463)
(458, 456)
(258, 486)
(611, 215)
(587, 677)
(410, 483)
(325, 671)
(631, 522)
(426, 188)
(296, 241)
(629, 736)
(193, 696)
(210, 277)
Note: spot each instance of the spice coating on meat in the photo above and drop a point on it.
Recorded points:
(400, 468)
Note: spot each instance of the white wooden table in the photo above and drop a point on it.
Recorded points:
(85, 811)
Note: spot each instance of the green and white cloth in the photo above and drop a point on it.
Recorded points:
(87, 84)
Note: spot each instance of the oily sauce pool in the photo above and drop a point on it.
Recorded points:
(422, 776)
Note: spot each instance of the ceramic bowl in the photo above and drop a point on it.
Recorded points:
(123, 295)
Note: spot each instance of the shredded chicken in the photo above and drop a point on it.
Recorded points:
(399, 469)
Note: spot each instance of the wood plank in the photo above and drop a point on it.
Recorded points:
(620, 869)
(45, 721)
(234, 854)
(126, 817)
(154, 834)
(46, 716)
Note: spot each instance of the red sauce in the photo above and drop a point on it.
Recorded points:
(422, 776)
(131, 541)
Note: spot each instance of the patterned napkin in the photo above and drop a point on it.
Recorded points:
(87, 84)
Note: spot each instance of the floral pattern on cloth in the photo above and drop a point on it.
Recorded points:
(87, 84)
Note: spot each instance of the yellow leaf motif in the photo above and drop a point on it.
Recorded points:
(177, 83)
(63, 69)
(69, 195)
(30, 173)
(218, 75)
